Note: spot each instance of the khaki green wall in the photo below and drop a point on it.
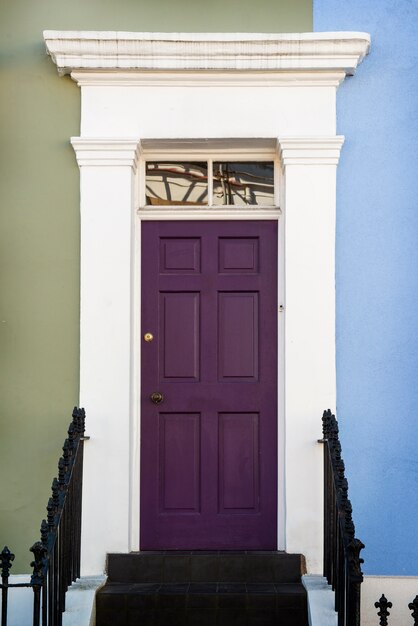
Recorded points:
(39, 228)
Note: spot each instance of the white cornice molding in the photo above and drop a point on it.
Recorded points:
(310, 150)
(106, 152)
(75, 50)
(126, 151)
(201, 78)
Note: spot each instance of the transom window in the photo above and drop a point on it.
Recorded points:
(210, 183)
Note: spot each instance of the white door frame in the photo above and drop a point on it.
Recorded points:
(198, 150)
(143, 87)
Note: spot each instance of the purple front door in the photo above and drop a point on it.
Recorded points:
(209, 448)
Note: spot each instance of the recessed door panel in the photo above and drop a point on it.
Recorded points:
(180, 335)
(209, 385)
(179, 454)
(238, 471)
(238, 255)
(238, 335)
(179, 255)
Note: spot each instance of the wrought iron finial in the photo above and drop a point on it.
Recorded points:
(336, 446)
(326, 422)
(353, 554)
(350, 530)
(342, 487)
(61, 472)
(50, 513)
(76, 418)
(6, 558)
(66, 454)
(340, 465)
(348, 508)
(55, 488)
(383, 604)
(39, 552)
(82, 414)
(348, 519)
(44, 532)
(72, 432)
(79, 416)
(413, 606)
(333, 429)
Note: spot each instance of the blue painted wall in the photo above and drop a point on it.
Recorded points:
(377, 278)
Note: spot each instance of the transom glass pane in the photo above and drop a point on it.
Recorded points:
(227, 183)
(243, 183)
(176, 183)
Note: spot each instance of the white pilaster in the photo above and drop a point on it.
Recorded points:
(107, 176)
(310, 386)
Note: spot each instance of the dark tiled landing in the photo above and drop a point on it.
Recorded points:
(256, 567)
(203, 590)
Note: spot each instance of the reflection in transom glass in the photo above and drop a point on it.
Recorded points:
(243, 183)
(176, 183)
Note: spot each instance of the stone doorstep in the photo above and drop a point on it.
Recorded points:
(200, 566)
(202, 603)
(80, 601)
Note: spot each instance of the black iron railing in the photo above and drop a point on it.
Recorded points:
(342, 562)
(56, 557)
(383, 605)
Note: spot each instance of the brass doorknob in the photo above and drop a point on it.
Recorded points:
(156, 397)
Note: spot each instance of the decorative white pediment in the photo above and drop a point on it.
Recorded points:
(260, 52)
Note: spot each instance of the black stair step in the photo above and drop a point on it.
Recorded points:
(201, 604)
(203, 589)
(195, 566)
